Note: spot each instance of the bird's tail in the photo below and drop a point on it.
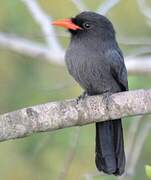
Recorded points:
(110, 155)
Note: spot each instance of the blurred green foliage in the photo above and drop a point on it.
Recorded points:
(148, 171)
(25, 81)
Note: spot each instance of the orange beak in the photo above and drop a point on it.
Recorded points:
(66, 23)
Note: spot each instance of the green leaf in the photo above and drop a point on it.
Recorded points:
(148, 171)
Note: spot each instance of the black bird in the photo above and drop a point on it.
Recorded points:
(96, 62)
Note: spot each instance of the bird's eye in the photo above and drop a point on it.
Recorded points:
(87, 25)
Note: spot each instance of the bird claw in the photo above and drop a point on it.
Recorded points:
(107, 97)
(82, 97)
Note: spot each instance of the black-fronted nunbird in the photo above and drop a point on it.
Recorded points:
(96, 62)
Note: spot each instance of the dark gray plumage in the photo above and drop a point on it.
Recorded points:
(96, 63)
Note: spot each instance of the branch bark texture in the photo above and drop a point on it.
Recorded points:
(58, 115)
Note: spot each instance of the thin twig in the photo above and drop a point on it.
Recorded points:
(140, 51)
(136, 151)
(81, 6)
(45, 23)
(30, 48)
(138, 65)
(54, 52)
(138, 147)
(90, 176)
(135, 40)
(107, 6)
(132, 131)
(144, 8)
(70, 155)
(135, 65)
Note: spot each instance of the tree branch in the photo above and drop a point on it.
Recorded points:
(53, 51)
(58, 115)
(70, 155)
(107, 6)
(45, 23)
(80, 5)
(134, 40)
(32, 49)
(145, 9)
(138, 65)
(135, 65)
(138, 146)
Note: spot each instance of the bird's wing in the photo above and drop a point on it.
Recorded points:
(118, 69)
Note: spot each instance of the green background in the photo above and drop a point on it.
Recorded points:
(25, 81)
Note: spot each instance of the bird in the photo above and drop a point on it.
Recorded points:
(96, 62)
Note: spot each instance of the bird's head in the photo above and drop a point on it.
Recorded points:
(88, 24)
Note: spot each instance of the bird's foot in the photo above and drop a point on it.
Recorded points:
(107, 98)
(82, 96)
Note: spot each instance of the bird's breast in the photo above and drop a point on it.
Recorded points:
(89, 70)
